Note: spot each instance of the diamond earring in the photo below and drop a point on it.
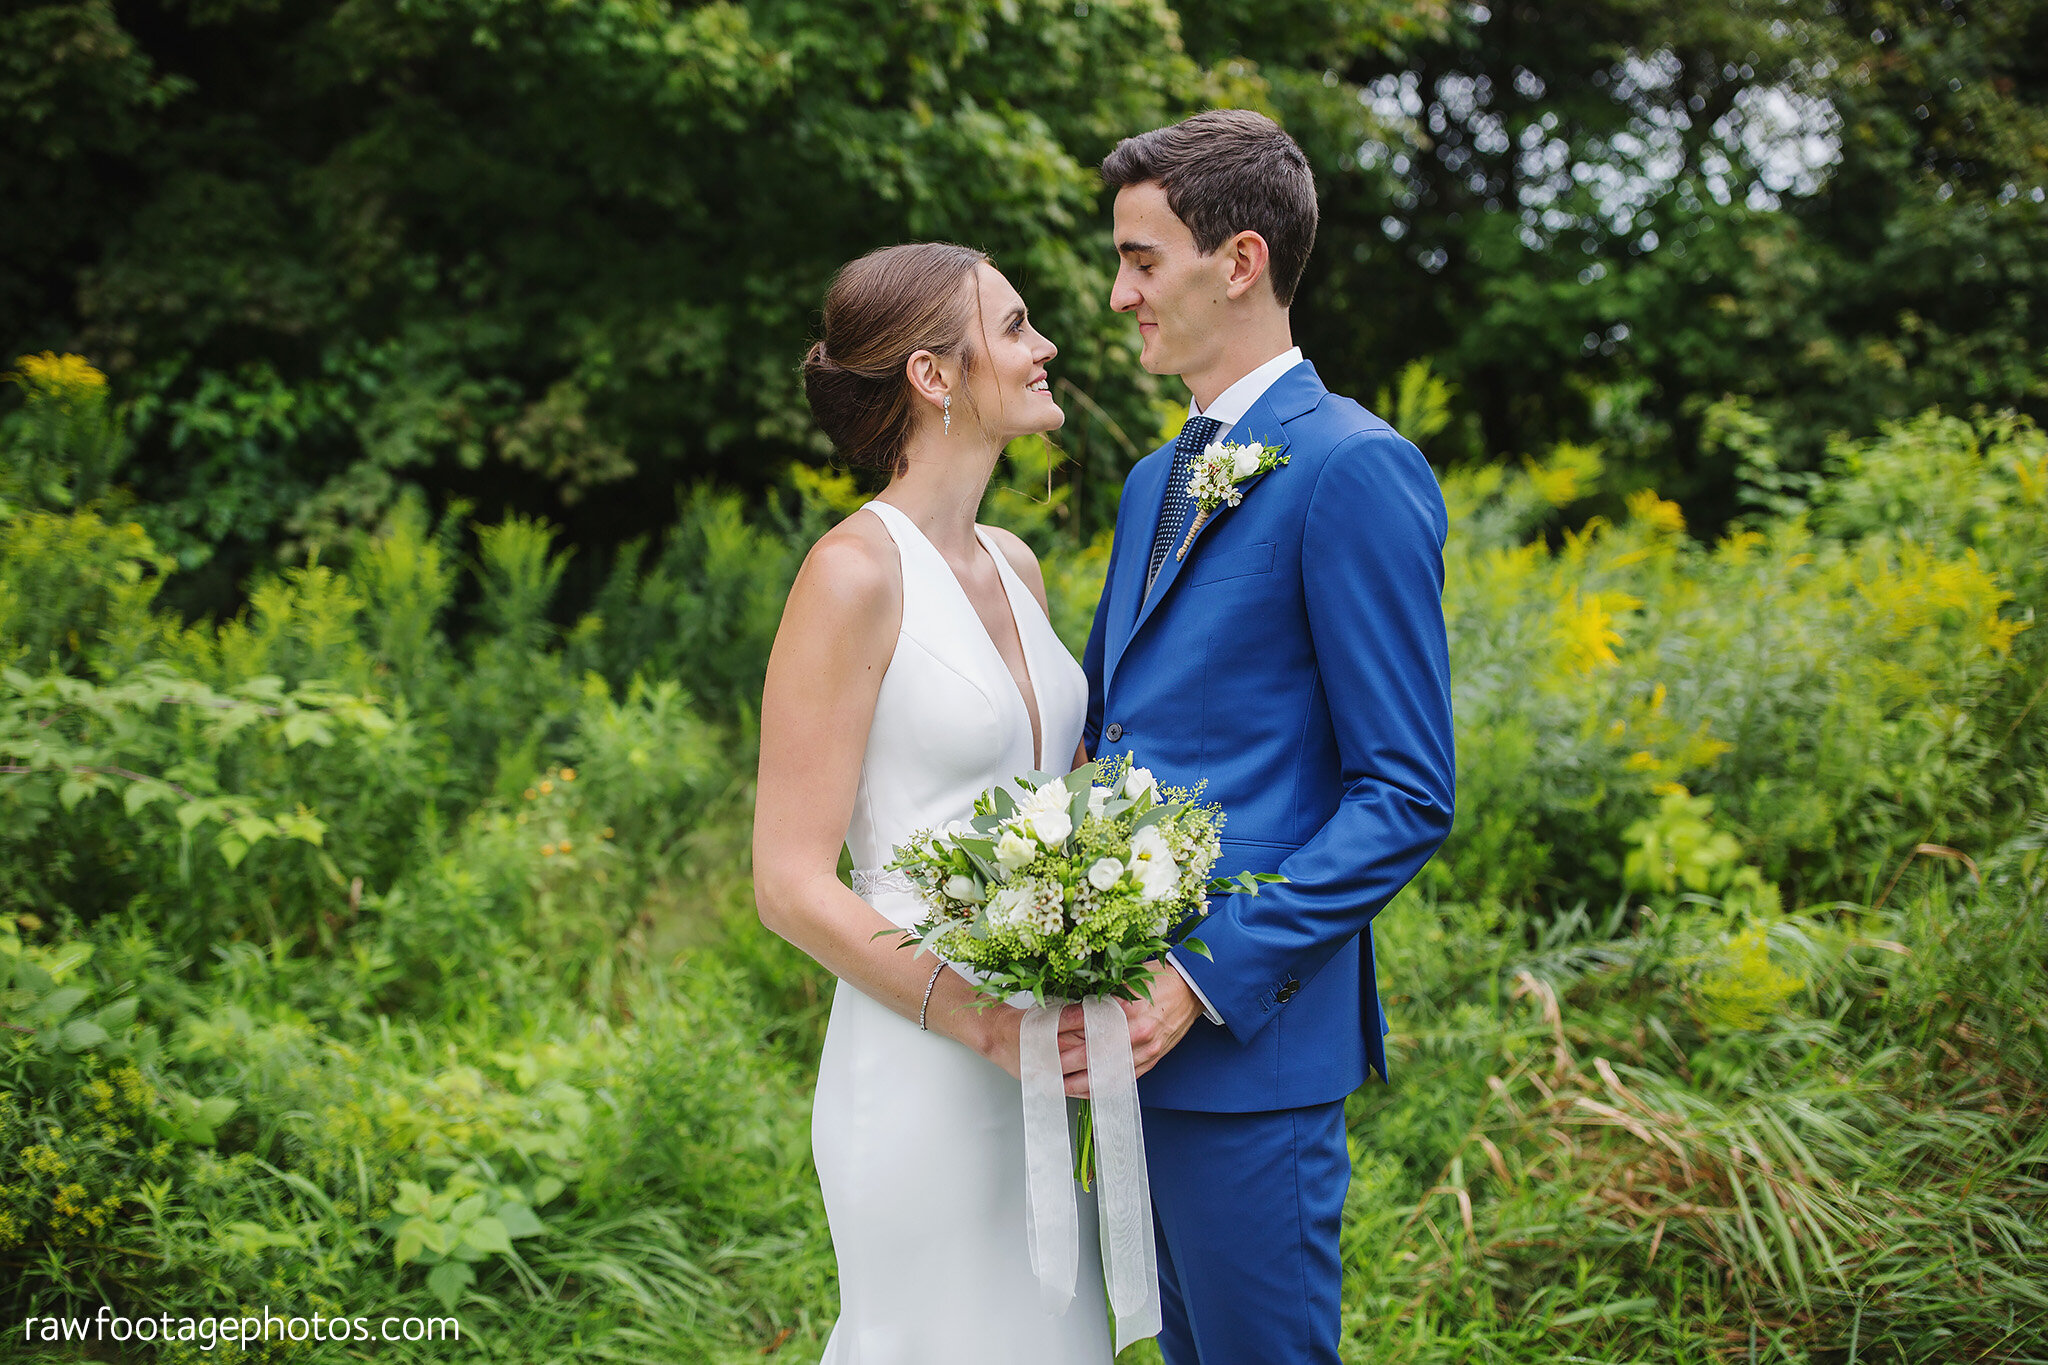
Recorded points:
(947, 409)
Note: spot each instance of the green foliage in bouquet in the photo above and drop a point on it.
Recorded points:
(1071, 890)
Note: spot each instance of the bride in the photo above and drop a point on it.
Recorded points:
(915, 667)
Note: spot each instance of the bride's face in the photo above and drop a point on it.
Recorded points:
(1007, 384)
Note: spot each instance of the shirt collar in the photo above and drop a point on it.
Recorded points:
(1234, 402)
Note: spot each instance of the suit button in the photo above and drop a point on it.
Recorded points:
(1114, 733)
(1288, 990)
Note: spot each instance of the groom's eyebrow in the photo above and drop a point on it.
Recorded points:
(1135, 248)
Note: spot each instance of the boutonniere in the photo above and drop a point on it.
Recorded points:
(1213, 482)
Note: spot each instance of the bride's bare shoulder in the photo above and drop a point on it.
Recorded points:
(852, 568)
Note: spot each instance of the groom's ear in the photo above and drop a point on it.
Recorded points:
(1246, 263)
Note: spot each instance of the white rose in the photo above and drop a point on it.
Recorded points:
(964, 888)
(1098, 800)
(1105, 873)
(1245, 462)
(1015, 849)
(1052, 827)
(1045, 813)
(1138, 781)
(955, 828)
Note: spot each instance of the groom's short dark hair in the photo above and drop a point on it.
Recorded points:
(1225, 172)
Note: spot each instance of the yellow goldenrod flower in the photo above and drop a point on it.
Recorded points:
(1585, 627)
(50, 375)
(1644, 505)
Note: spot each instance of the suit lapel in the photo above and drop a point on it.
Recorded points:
(1261, 424)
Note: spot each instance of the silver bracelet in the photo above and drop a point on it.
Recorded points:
(928, 996)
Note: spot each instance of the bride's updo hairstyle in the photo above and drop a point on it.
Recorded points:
(881, 310)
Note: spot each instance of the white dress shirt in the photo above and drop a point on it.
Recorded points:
(1229, 409)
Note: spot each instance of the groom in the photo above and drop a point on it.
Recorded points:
(1293, 657)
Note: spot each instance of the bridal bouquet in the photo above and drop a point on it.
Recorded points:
(1069, 891)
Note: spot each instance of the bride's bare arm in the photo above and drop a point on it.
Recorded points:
(825, 672)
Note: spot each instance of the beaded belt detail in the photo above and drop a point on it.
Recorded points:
(869, 882)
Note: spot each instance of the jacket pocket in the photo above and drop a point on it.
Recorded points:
(1239, 563)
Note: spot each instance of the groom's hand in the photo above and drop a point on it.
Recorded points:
(1157, 1026)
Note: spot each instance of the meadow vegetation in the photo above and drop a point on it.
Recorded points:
(388, 945)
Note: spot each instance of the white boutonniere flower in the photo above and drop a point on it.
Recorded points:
(1218, 471)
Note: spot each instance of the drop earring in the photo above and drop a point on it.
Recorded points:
(947, 409)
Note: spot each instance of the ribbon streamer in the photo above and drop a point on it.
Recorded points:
(1124, 1201)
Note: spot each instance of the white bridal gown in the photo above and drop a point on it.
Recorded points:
(919, 1141)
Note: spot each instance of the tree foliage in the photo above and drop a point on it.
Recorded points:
(562, 259)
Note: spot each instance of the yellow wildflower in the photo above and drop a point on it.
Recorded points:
(1665, 517)
(546, 786)
(1586, 628)
(41, 1160)
(568, 774)
(50, 375)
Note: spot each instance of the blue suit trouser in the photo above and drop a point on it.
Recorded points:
(1247, 1209)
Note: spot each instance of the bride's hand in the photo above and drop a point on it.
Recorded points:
(1002, 1027)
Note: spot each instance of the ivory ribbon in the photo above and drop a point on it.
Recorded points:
(1124, 1198)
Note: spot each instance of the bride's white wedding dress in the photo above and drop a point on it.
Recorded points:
(919, 1141)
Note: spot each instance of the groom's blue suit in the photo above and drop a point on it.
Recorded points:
(1295, 661)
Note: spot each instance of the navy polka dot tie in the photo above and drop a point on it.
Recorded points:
(1173, 515)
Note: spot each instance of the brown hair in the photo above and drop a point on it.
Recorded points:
(881, 310)
(1225, 172)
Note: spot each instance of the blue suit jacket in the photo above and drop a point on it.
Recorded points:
(1295, 660)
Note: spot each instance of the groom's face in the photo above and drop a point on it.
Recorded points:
(1175, 293)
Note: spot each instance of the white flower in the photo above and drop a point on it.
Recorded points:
(1015, 849)
(1006, 906)
(963, 888)
(1045, 813)
(1152, 863)
(1138, 781)
(1244, 461)
(1105, 873)
(955, 828)
(1098, 799)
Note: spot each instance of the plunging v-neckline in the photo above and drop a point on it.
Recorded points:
(1033, 716)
